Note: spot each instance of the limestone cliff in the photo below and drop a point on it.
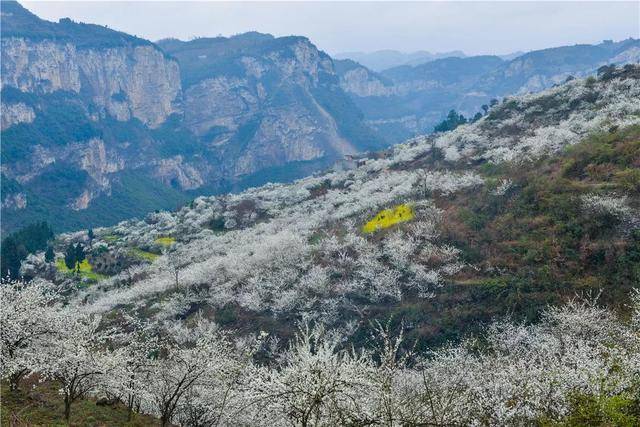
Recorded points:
(263, 102)
(125, 82)
(92, 116)
(12, 114)
(81, 104)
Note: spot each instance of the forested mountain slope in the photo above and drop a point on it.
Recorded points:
(376, 294)
(535, 201)
(99, 126)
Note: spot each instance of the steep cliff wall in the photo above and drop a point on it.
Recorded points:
(81, 106)
(90, 114)
(263, 101)
(125, 82)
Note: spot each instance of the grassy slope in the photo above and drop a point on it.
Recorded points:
(43, 406)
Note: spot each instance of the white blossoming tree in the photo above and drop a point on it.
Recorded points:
(76, 356)
(27, 320)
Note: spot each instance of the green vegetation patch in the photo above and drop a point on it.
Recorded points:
(44, 407)
(110, 238)
(144, 255)
(588, 410)
(85, 270)
(539, 232)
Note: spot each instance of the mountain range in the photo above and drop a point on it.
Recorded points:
(99, 125)
(380, 60)
(403, 101)
(534, 202)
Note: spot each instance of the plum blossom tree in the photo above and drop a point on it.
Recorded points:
(134, 351)
(76, 356)
(223, 397)
(185, 367)
(317, 384)
(27, 317)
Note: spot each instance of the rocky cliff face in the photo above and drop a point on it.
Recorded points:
(86, 109)
(360, 81)
(12, 114)
(125, 82)
(261, 108)
(81, 105)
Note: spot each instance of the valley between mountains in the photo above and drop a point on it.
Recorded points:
(247, 231)
(99, 126)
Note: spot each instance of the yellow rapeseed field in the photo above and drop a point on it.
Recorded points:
(388, 217)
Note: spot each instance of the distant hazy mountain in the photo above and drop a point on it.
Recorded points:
(540, 69)
(403, 101)
(512, 55)
(383, 59)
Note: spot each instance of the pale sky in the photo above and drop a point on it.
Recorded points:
(497, 27)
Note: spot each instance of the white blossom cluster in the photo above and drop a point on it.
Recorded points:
(503, 187)
(276, 266)
(514, 374)
(529, 126)
(292, 248)
(299, 248)
(611, 204)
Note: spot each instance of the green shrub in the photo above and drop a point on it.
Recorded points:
(474, 220)
(628, 179)
(589, 410)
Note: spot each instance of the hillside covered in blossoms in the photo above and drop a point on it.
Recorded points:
(483, 276)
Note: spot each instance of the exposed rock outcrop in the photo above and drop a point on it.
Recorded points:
(262, 108)
(360, 81)
(15, 201)
(13, 114)
(125, 82)
(176, 173)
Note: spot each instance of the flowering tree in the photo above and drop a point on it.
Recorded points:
(224, 395)
(76, 356)
(317, 384)
(27, 317)
(134, 352)
(185, 367)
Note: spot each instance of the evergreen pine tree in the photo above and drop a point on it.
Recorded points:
(49, 256)
(70, 259)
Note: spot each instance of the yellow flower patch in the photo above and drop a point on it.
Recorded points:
(85, 269)
(165, 241)
(388, 217)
